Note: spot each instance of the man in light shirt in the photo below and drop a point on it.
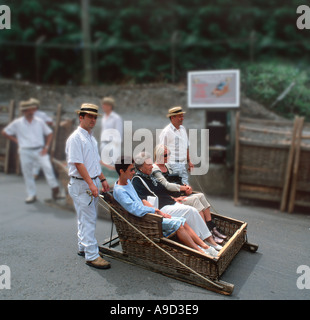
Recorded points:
(85, 178)
(174, 136)
(33, 137)
(111, 133)
(48, 120)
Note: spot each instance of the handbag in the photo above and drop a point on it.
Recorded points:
(174, 178)
(153, 200)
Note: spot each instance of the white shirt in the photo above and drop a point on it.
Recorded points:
(82, 147)
(28, 134)
(176, 140)
(112, 121)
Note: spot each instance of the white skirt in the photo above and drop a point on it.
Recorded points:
(192, 217)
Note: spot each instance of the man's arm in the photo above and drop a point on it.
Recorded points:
(7, 136)
(48, 142)
(190, 165)
(127, 201)
(104, 182)
(84, 174)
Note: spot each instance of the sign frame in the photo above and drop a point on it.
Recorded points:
(218, 89)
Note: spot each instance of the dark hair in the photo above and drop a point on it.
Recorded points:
(123, 163)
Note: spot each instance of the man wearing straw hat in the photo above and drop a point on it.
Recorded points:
(33, 137)
(85, 179)
(111, 132)
(174, 136)
(48, 120)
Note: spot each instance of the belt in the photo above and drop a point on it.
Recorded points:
(179, 160)
(34, 148)
(77, 178)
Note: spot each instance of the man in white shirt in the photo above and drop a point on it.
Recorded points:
(48, 120)
(33, 137)
(174, 136)
(111, 133)
(85, 178)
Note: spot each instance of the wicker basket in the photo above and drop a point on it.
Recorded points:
(138, 249)
(264, 159)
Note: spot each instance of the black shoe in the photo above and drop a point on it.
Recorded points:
(81, 253)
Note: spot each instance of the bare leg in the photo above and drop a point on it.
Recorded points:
(194, 236)
(186, 239)
(206, 214)
(211, 240)
(187, 236)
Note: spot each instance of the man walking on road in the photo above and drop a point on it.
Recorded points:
(85, 179)
(33, 137)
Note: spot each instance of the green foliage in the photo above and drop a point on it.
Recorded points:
(266, 81)
(144, 40)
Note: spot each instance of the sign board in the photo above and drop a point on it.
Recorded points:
(214, 89)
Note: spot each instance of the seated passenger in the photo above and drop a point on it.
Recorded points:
(146, 185)
(125, 194)
(162, 172)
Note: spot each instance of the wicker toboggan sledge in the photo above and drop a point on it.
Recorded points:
(142, 243)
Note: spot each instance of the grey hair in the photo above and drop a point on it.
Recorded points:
(140, 159)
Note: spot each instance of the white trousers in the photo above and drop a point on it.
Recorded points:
(192, 216)
(27, 159)
(86, 211)
(196, 200)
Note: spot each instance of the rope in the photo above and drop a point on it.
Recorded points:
(197, 181)
(158, 247)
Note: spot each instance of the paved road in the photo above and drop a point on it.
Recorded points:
(38, 244)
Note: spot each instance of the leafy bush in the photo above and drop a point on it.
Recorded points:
(279, 86)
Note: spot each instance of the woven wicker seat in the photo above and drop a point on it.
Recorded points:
(167, 256)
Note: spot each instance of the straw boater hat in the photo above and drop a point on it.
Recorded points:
(109, 100)
(29, 104)
(88, 108)
(175, 111)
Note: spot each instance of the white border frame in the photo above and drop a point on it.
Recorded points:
(217, 105)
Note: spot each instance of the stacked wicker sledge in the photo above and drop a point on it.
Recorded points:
(272, 161)
(142, 243)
